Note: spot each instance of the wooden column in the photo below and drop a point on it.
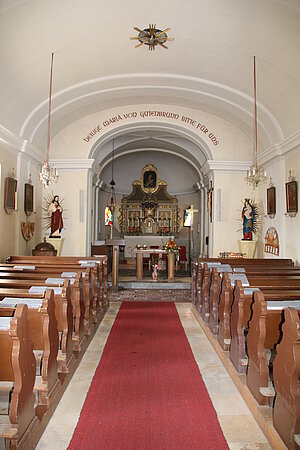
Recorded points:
(115, 243)
(171, 262)
(139, 265)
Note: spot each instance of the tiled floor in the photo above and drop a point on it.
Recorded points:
(239, 427)
(153, 295)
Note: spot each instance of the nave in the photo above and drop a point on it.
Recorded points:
(232, 412)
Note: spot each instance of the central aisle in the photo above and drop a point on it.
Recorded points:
(237, 423)
(147, 392)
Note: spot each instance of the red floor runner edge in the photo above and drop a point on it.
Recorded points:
(147, 392)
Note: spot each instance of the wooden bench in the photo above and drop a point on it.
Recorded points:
(240, 317)
(286, 374)
(63, 313)
(100, 269)
(18, 366)
(83, 301)
(258, 268)
(43, 333)
(268, 283)
(92, 286)
(264, 334)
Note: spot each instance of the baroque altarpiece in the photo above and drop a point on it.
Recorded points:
(149, 209)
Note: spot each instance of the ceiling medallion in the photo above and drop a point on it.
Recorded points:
(152, 37)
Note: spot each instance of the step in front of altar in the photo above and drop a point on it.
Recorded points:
(153, 285)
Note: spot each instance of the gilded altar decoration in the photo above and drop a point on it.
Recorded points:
(272, 241)
(27, 230)
(149, 209)
(151, 37)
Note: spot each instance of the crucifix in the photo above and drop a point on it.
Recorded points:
(191, 210)
(209, 201)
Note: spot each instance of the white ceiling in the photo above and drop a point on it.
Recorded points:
(208, 66)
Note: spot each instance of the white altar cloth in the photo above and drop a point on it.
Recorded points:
(132, 241)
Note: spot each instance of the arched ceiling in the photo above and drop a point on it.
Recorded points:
(179, 173)
(208, 66)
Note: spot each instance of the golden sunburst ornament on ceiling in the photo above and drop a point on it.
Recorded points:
(152, 37)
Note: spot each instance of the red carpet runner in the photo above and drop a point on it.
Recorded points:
(147, 392)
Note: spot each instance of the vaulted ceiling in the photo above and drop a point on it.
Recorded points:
(208, 66)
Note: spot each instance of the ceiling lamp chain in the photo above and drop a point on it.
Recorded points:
(256, 174)
(49, 174)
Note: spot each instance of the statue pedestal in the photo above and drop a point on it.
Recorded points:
(57, 244)
(247, 248)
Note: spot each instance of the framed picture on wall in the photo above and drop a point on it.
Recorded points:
(28, 198)
(10, 194)
(271, 201)
(291, 197)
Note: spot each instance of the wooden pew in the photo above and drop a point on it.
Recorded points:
(256, 274)
(194, 281)
(82, 297)
(43, 333)
(17, 366)
(240, 318)
(100, 269)
(286, 373)
(63, 313)
(241, 262)
(264, 334)
(267, 283)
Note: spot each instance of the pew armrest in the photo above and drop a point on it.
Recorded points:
(267, 391)
(297, 439)
(6, 429)
(6, 386)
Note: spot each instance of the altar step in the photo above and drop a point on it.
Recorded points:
(153, 285)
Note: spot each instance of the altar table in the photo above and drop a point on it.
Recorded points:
(140, 252)
(149, 240)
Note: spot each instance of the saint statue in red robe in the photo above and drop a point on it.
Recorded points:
(56, 216)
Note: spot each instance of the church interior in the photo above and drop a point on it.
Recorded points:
(152, 157)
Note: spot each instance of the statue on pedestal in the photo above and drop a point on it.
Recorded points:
(56, 210)
(250, 219)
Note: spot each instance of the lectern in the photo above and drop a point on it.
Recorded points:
(115, 244)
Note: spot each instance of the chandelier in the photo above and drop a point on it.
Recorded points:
(256, 174)
(49, 174)
(152, 37)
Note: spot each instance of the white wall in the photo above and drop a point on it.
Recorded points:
(68, 189)
(11, 240)
(292, 225)
(8, 222)
(228, 230)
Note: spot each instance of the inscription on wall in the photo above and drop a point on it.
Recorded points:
(201, 127)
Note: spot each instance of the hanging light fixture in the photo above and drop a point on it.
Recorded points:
(256, 174)
(48, 174)
(112, 204)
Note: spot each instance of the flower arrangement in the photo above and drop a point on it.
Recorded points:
(171, 247)
(155, 262)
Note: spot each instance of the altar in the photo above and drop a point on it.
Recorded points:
(132, 241)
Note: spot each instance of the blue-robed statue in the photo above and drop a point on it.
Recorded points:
(248, 215)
